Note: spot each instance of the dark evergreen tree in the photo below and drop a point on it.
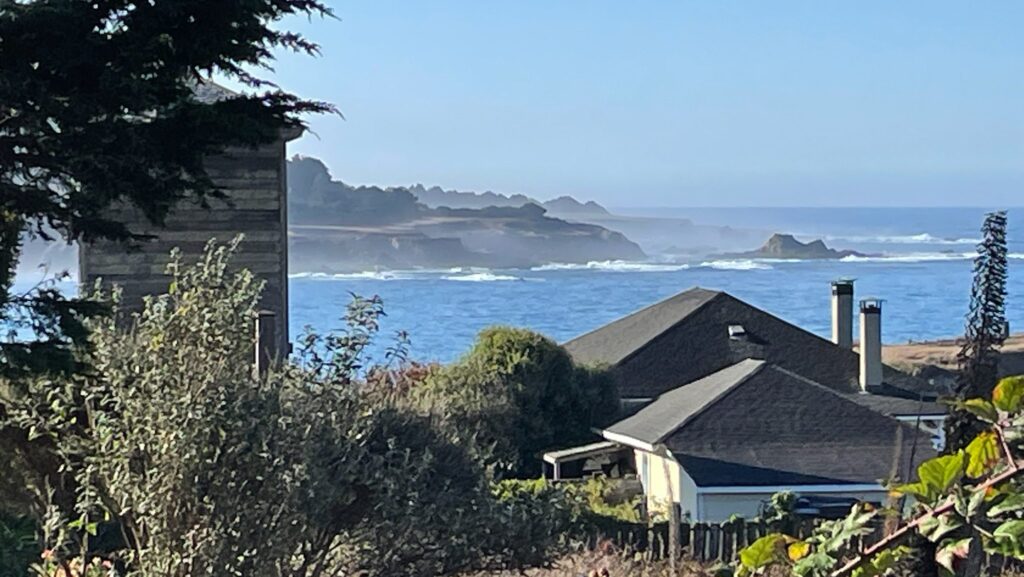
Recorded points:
(978, 360)
(98, 105)
(978, 364)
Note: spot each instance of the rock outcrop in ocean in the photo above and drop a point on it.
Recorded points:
(787, 246)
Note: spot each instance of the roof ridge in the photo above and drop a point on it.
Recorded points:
(813, 334)
(715, 294)
(759, 366)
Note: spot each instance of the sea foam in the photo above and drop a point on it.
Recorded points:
(737, 264)
(482, 277)
(613, 266)
(923, 238)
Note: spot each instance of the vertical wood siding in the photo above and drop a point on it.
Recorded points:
(254, 182)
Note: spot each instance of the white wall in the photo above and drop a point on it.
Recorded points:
(716, 508)
(664, 482)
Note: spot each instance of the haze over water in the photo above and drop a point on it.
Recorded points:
(923, 271)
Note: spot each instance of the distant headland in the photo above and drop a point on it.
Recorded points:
(336, 227)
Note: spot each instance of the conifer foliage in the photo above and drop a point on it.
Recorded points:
(978, 360)
(98, 105)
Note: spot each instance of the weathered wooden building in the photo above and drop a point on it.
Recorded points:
(255, 184)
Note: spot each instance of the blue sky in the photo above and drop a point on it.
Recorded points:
(675, 103)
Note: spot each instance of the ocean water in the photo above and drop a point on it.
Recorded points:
(922, 270)
(926, 297)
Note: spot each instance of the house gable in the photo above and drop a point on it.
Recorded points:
(690, 338)
(623, 337)
(778, 428)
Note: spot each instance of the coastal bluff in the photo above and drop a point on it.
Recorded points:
(337, 227)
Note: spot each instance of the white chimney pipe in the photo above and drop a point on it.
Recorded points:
(870, 343)
(842, 313)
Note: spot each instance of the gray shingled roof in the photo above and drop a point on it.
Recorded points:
(686, 337)
(618, 339)
(757, 424)
(898, 406)
(673, 409)
(208, 92)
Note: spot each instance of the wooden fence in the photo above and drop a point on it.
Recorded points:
(707, 542)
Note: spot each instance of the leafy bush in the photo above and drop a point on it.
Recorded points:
(560, 516)
(176, 460)
(545, 518)
(517, 393)
(18, 545)
(600, 495)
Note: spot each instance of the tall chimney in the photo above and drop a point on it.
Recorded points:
(842, 313)
(870, 343)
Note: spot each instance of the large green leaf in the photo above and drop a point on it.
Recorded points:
(941, 473)
(763, 552)
(1008, 394)
(1013, 529)
(881, 563)
(983, 453)
(1006, 539)
(980, 408)
(1011, 504)
(935, 528)
(817, 563)
(918, 490)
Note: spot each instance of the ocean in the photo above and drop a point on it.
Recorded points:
(922, 271)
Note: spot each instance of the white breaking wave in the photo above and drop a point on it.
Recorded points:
(741, 264)
(923, 257)
(613, 266)
(923, 238)
(915, 257)
(364, 275)
(482, 277)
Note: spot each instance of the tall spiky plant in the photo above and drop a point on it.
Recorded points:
(978, 360)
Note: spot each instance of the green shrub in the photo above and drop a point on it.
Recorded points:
(515, 394)
(564, 515)
(18, 546)
(600, 494)
(176, 460)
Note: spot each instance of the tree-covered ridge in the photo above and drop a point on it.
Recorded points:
(336, 227)
(313, 190)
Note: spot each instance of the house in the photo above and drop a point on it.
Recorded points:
(723, 444)
(699, 331)
(255, 188)
(729, 404)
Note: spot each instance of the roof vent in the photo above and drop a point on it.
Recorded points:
(743, 345)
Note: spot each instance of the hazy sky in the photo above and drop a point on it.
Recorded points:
(675, 103)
